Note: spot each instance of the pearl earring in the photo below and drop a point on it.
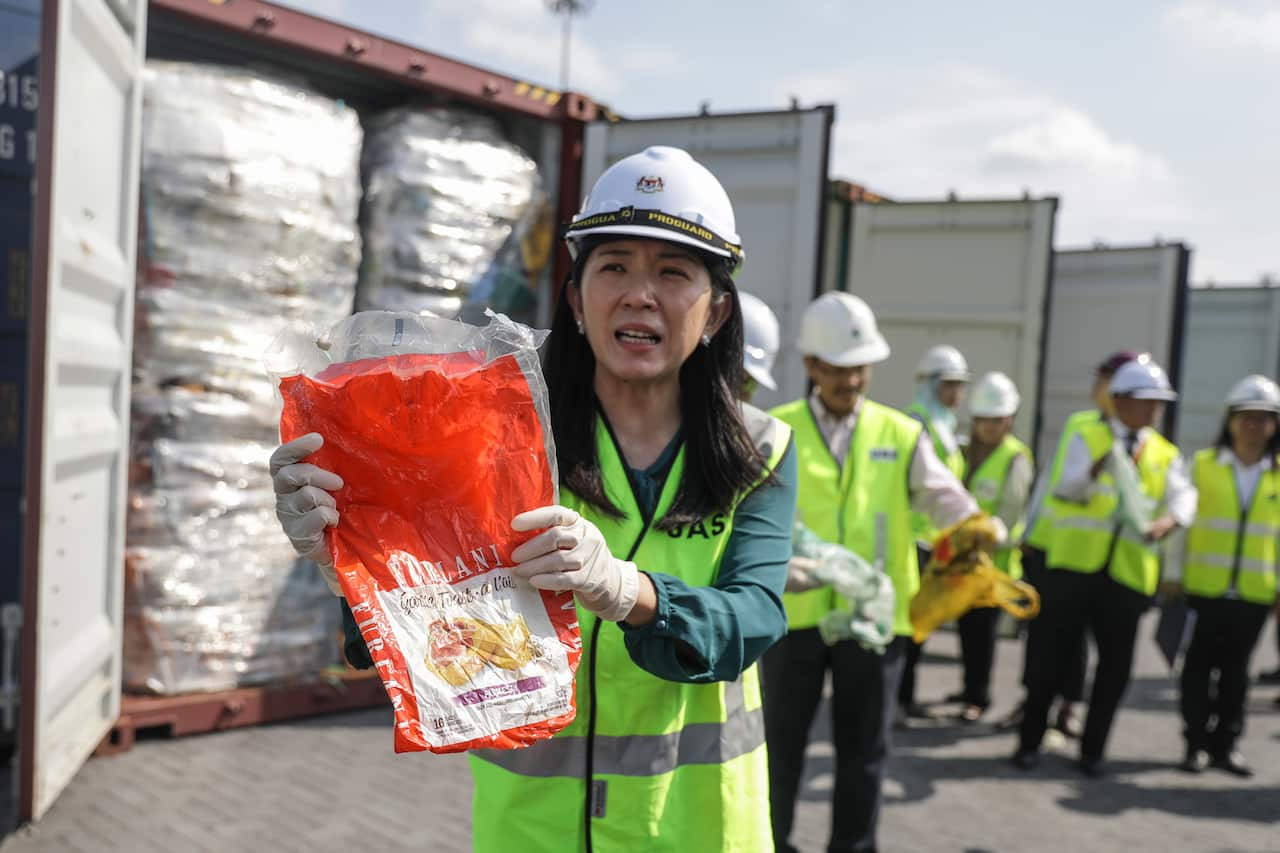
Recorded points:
(706, 340)
(580, 331)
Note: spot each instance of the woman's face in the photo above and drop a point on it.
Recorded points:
(1252, 430)
(644, 306)
(991, 431)
(951, 393)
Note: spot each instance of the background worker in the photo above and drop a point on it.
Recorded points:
(998, 473)
(1039, 523)
(942, 375)
(1229, 569)
(643, 369)
(760, 341)
(1102, 571)
(863, 468)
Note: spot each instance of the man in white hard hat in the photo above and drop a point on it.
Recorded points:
(1102, 569)
(760, 337)
(863, 467)
(942, 376)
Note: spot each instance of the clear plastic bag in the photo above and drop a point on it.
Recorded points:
(868, 591)
(1135, 508)
(441, 433)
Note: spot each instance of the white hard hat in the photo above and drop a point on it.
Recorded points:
(1254, 393)
(994, 396)
(840, 329)
(1142, 379)
(662, 193)
(760, 339)
(945, 363)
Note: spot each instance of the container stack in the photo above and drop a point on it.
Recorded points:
(250, 197)
(448, 204)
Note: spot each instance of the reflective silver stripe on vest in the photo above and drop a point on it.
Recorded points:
(1136, 538)
(1222, 561)
(1227, 525)
(641, 755)
(1085, 522)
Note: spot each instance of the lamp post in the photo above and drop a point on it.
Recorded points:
(567, 9)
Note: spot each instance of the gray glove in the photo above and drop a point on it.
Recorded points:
(303, 503)
(571, 554)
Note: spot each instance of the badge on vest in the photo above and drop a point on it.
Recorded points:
(884, 454)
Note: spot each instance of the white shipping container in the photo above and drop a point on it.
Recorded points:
(1231, 333)
(774, 167)
(973, 274)
(1105, 300)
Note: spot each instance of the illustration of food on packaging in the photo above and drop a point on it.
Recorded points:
(459, 648)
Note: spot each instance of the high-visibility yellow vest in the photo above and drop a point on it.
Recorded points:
(1042, 525)
(675, 767)
(987, 486)
(864, 505)
(1230, 551)
(1087, 537)
(923, 529)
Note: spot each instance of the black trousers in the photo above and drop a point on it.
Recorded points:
(1033, 655)
(1222, 643)
(863, 688)
(911, 657)
(1070, 603)
(978, 653)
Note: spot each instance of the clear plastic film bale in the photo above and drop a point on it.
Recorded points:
(1134, 508)
(867, 616)
(249, 203)
(453, 211)
(441, 434)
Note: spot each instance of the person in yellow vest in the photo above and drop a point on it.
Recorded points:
(862, 468)
(673, 532)
(761, 337)
(942, 375)
(1036, 542)
(1102, 569)
(1228, 572)
(998, 472)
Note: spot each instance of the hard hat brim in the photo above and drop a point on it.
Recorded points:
(992, 413)
(872, 353)
(953, 376)
(1157, 394)
(1260, 406)
(652, 234)
(762, 376)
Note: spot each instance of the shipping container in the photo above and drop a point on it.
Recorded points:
(972, 274)
(1106, 299)
(79, 322)
(1231, 333)
(841, 197)
(774, 167)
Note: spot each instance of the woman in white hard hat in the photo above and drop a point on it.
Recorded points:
(1229, 568)
(674, 533)
(1102, 571)
(942, 375)
(760, 340)
(863, 468)
(998, 472)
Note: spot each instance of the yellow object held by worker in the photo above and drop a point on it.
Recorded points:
(961, 576)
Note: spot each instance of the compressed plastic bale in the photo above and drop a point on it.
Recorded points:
(250, 198)
(445, 193)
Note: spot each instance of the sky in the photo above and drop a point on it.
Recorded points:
(1149, 120)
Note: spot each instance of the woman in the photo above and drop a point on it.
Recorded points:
(998, 473)
(674, 533)
(1229, 572)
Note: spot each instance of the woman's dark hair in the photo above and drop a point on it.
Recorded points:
(1224, 436)
(721, 461)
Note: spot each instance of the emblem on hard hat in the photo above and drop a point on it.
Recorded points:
(626, 214)
(649, 184)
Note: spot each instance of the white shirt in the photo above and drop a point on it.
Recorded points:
(1076, 482)
(933, 489)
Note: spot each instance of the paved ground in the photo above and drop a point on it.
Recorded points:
(333, 784)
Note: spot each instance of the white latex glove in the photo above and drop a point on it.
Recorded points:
(303, 503)
(801, 575)
(571, 554)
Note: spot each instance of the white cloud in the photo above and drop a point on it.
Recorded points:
(922, 132)
(1228, 24)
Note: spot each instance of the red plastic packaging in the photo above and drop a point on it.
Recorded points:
(438, 454)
